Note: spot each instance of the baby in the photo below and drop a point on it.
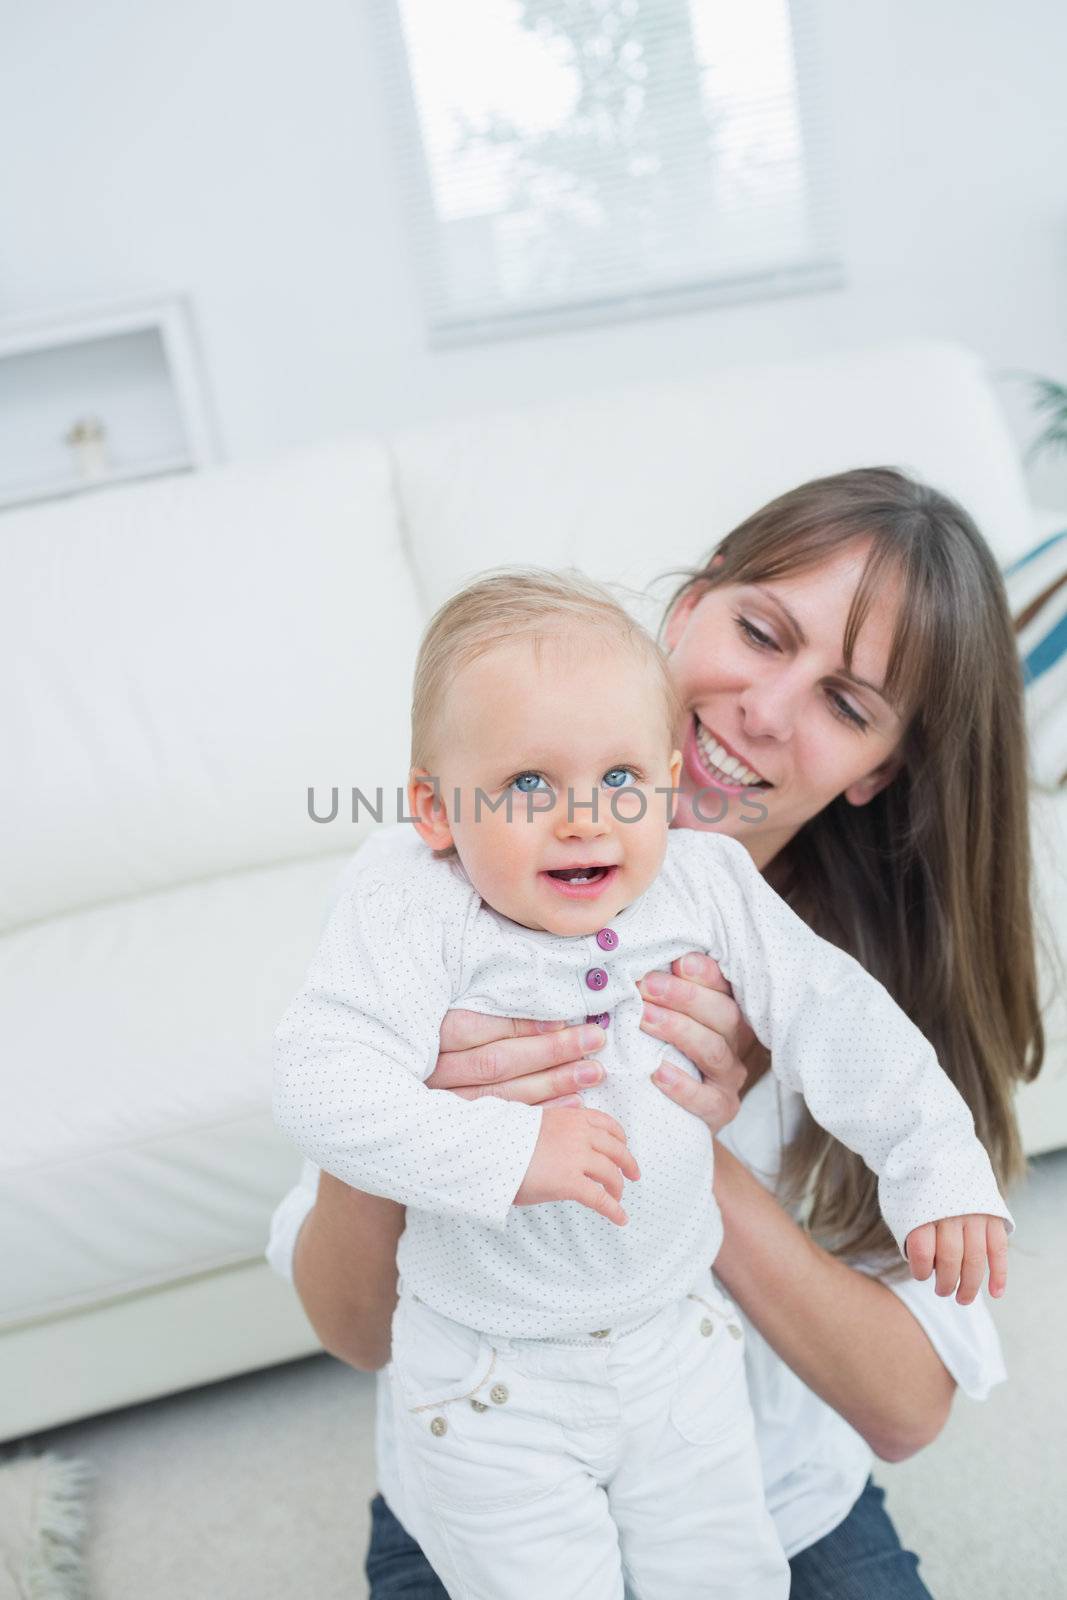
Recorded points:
(567, 1378)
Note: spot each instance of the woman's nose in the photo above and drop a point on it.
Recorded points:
(769, 710)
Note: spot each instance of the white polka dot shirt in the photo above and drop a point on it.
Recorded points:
(410, 938)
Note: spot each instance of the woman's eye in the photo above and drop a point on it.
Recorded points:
(526, 782)
(618, 777)
(846, 712)
(753, 634)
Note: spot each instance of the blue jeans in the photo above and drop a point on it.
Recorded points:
(862, 1559)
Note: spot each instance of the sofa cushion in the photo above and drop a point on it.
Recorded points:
(627, 483)
(138, 1146)
(190, 654)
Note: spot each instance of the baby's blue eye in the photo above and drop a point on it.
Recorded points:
(526, 782)
(616, 777)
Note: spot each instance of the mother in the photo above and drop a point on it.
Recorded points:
(848, 667)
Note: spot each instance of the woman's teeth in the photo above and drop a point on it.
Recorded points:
(722, 761)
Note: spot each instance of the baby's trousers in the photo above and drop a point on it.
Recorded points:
(619, 1463)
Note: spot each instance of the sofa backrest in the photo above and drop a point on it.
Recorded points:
(188, 656)
(627, 483)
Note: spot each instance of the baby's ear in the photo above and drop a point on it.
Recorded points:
(676, 774)
(427, 809)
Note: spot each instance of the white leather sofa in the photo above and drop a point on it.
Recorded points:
(186, 658)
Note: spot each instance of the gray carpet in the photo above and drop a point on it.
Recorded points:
(257, 1489)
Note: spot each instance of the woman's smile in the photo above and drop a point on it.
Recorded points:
(710, 760)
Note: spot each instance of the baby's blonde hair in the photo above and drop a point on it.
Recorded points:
(509, 603)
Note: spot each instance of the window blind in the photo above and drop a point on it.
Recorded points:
(569, 161)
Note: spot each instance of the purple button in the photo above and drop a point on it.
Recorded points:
(601, 1018)
(596, 978)
(607, 939)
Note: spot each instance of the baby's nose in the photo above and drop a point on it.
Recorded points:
(583, 815)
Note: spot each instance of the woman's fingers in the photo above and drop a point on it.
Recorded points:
(714, 1100)
(466, 1030)
(699, 1016)
(709, 1051)
(536, 1088)
(703, 969)
(502, 1060)
(670, 997)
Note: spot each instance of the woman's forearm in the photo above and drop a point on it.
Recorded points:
(344, 1270)
(846, 1335)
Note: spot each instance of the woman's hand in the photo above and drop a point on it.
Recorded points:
(546, 1063)
(539, 1063)
(695, 1011)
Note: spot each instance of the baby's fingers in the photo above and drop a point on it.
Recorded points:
(974, 1259)
(600, 1119)
(922, 1245)
(949, 1257)
(997, 1245)
(594, 1195)
(603, 1170)
(618, 1152)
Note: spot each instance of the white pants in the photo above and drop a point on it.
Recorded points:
(617, 1464)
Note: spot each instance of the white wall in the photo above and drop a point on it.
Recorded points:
(238, 149)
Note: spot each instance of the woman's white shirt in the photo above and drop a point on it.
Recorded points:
(815, 1465)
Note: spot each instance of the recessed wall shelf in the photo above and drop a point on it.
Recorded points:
(99, 396)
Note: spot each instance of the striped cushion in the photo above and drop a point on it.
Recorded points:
(1037, 592)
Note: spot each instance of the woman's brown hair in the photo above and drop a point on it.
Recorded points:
(928, 884)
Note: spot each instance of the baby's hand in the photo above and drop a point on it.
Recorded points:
(957, 1249)
(579, 1155)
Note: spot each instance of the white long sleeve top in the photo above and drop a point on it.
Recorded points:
(414, 939)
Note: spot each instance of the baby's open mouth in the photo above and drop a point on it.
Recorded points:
(579, 874)
(586, 882)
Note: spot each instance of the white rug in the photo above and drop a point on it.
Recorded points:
(42, 1523)
(258, 1486)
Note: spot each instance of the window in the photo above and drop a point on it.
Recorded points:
(577, 160)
